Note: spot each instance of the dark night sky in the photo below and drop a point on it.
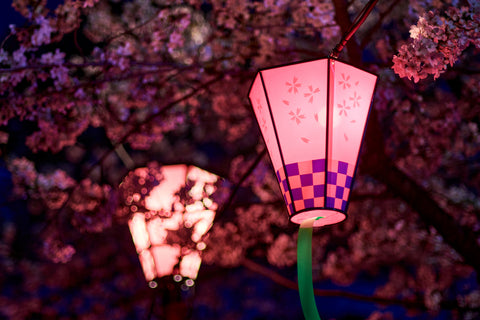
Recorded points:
(8, 16)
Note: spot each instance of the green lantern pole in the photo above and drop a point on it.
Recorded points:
(304, 269)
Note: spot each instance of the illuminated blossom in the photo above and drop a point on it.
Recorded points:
(93, 206)
(19, 57)
(53, 188)
(436, 41)
(56, 58)
(283, 252)
(24, 175)
(57, 251)
(43, 33)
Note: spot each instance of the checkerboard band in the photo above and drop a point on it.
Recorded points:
(282, 180)
(307, 182)
(339, 183)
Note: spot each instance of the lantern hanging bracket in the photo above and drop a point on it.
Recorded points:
(362, 16)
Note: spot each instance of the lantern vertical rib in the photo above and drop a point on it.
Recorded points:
(361, 144)
(278, 142)
(327, 132)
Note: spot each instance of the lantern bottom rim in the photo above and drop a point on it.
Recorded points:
(326, 217)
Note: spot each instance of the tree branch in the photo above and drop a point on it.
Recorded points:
(287, 283)
(462, 239)
(242, 179)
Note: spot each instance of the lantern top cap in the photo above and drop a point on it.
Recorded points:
(330, 58)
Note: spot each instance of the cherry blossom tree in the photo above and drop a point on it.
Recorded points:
(90, 90)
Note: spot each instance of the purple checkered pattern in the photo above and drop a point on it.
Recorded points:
(307, 182)
(339, 182)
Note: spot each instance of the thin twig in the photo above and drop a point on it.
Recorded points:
(242, 179)
(77, 45)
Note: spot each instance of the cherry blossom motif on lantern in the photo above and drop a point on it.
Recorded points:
(293, 86)
(343, 108)
(355, 99)
(263, 121)
(311, 93)
(297, 116)
(345, 81)
(259, 105)
(315, 176)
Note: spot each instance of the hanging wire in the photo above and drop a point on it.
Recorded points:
(362, 16)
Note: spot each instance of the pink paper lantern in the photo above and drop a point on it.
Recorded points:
(164, 213)
(312, 116)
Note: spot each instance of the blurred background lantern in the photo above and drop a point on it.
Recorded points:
(171, 212)
(312, 117)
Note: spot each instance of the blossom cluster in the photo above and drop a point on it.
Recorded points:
(437, 40)
(91, 206)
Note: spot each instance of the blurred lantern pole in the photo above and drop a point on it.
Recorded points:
(312, 116)
(166, 214)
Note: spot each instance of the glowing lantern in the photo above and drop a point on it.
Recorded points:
(312, 116)
(165, 215)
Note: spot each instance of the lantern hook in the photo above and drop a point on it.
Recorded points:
(362, 16)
